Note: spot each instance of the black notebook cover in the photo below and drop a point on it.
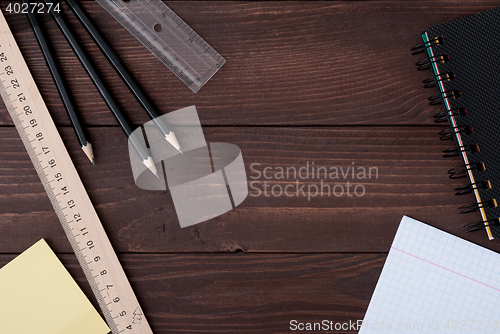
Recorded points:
(469, 48)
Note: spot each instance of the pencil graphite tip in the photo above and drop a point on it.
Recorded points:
(87, 149)
(172, 139)
(150, 164)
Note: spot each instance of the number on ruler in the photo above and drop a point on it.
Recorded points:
(25, 105)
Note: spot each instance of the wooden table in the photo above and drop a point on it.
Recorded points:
(326, 83)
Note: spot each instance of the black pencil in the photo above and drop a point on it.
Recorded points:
(129, 80)
(48, 53)
(103, 89)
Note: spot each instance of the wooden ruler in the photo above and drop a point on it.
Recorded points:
(66, 191)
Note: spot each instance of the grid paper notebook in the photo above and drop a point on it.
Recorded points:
(434, 282)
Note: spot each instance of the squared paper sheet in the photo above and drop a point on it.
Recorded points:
(434, 282)
(38, 296)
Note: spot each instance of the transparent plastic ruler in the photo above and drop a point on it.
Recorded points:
(66, 191)
(169, 38)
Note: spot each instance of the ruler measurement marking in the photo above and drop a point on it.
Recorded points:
(176, 45)
(76, 202)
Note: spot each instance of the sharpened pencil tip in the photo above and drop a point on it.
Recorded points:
(173, 141)
(93, 162)
(150, 164)
(87, 149)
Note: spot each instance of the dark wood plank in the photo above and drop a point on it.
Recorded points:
(244, 293)
(342, 62)
(412, 181)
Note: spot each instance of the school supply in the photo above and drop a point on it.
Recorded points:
(66, 191)
(120, 68)
(103, 89)
(35, 285)
(169, 38)
(205, 181)
(464, 56)
(434, 282)
(52, 64)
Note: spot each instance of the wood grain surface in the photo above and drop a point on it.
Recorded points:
(245, 293)
(325, 63)
(323, 84)
(412, 181)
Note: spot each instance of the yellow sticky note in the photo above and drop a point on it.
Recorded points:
(38, 295)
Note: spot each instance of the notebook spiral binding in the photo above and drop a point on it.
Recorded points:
(460, 171)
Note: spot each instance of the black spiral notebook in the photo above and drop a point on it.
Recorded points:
(464, 56)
